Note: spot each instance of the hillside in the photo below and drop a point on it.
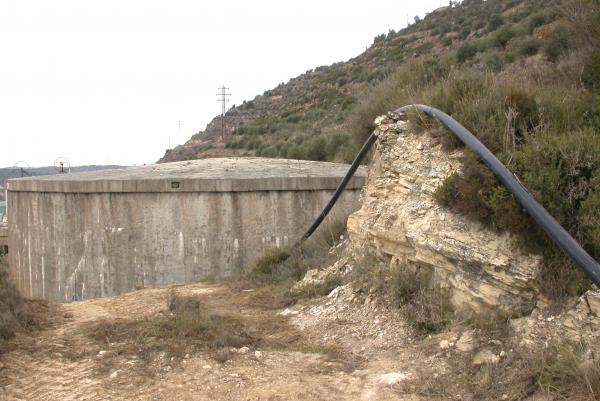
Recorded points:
(295, 119)
(520, 74)
(310, 117)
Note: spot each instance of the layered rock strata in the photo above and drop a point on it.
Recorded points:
(401, 221)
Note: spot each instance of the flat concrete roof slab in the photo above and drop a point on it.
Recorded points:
(205, 175)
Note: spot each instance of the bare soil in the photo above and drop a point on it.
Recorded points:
(113, 349)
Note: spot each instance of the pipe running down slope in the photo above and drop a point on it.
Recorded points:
(541, 216)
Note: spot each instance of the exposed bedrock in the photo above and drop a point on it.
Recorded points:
(399, 219)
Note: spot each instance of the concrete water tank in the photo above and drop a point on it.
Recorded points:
(86, 235)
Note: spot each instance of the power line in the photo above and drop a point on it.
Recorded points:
(179, 124)
(222, 97)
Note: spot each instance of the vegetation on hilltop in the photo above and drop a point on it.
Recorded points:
(310, 116)
(520, 74)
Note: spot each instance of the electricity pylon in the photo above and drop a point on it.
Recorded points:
(223, 98)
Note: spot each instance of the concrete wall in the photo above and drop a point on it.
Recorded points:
(3, 235)
(73, 246)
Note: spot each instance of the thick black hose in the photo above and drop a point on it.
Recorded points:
(541, 216)
(355, 164)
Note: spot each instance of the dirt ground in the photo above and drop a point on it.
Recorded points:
(312, 351)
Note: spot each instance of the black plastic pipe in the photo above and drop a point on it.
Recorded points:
(355, 164)
(541, 216)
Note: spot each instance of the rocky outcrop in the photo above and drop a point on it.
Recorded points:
(582, 322)
(400, 220)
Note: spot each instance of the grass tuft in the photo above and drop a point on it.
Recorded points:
(425, 307)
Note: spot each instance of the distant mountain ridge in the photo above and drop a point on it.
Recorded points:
(7, 173)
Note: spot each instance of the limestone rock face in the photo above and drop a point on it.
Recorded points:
(318, 277)
(582, 322)
(399, 219)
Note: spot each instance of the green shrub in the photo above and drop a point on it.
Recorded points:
(465, 52)
(316, 149)
(379, 38)
(557, 43)
(268, 152)
(447, 41)
(464, 32)
(334, 144)
(296, 151)
(502, 36)
(493, 61)
(525, 105)
(566, 109)
(495, 22)
(467, 193)
(264, 266)
(558, 168)
(535, 20)
(293, 118)
(399, 89)
(528, 47)
(444, 28)
(479, 23)
(589, 217)
(561, 172)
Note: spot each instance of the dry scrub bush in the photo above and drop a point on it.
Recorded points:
(409, 290)
(16, 313)
(273, 274)
(424, 306)
(554, 372)
(12, 307)
(187, 324)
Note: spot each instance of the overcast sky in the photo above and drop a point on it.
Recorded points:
(106, 81)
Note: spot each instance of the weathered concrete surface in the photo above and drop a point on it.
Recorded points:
(97, 234)
(3, 235)
(206, 175)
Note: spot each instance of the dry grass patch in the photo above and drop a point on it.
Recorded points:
(556, 372)
(337, 357)
(268, 281)
(18, 314)
(424, 306)
(186, 323)
(212, 326)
